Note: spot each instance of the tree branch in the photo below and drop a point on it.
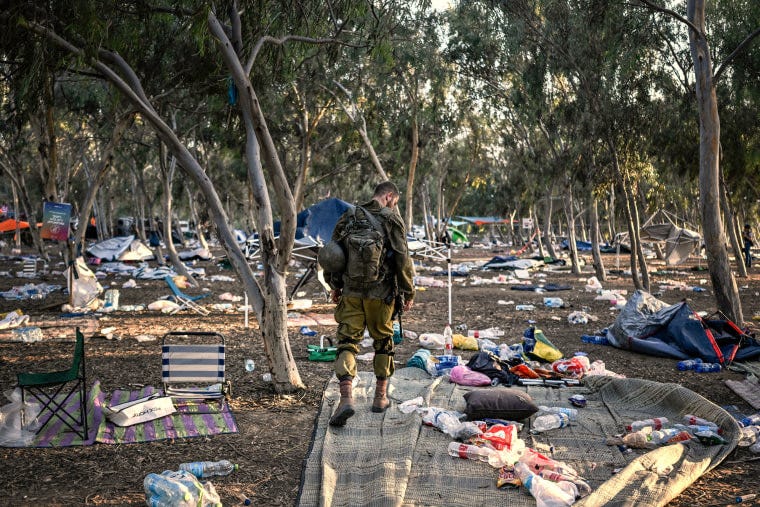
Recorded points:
(734, 53)
(282, 41)
(673, 14)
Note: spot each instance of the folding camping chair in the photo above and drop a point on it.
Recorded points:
(185, 301)
(192, 365)
(48, 387)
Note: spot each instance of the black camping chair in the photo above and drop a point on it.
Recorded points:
(49, 387)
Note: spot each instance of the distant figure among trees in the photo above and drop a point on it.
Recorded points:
(748, 243)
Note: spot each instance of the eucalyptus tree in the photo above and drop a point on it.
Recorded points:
(706, 80)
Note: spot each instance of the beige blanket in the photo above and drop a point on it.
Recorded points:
(392, 459)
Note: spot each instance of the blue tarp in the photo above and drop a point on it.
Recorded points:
(581, 246)
(649, 326)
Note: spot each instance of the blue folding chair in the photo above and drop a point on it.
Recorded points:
(185, 301)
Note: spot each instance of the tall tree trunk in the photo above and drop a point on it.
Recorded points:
(167, 173)
(534, 216)
(728, 211)
(718, 263)
(548, 223)
(642, 261)
(570, 217)
(632, 236)
(414, 158)
(599, 271)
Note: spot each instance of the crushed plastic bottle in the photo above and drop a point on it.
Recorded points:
(466, 451)
(550, 422)
(692, 420)
(752, 420)
(203, 469)
(571, 413)
(525, 308)
(250, 365)
(595, 339)
(163, 490)
(656, 423)
(546, 493)
(707, 368)
(554, 303)
(688, 364)
(748, 436)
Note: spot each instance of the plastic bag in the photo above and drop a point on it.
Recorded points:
(431, 341)
(464, 376)
(465, 342)
(11, 432)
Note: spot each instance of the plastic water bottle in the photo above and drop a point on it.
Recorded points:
(692, 420)
(546, 493)
(203, 469)
(655, 423)
(524, 308)
(572, 413)
(250, 365)
(689, 364)
(550, 421)
(396, 333)
(466, 451)
(752, 420)
(707, 368)
(748, 436)
(595, 339)
(163, 490)
(448, 341)
(553, 302)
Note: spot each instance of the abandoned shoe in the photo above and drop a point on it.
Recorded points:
(346, 405)
(380, 403)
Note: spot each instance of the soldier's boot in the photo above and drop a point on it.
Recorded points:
(345, 406)
(380, 403)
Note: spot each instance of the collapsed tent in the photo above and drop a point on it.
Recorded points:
(121, 248)
(679, 242)
(512, 262)
(650, 326)
(318, 221)
(9, 225)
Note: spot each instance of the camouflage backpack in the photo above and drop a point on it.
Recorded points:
(364, 243)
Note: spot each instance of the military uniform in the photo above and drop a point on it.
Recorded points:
(372, 306)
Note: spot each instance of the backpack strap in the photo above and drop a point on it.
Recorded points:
(374, 222)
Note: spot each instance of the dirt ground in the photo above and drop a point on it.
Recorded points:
(274, 430)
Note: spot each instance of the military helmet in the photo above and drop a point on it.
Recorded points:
(332, 258)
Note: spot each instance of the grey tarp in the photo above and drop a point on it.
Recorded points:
(679, 242)
(391, 459)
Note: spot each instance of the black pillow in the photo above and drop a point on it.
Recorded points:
(499, 403)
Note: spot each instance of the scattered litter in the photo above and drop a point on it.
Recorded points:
(145, 338)
(230, 297)
(129, 284)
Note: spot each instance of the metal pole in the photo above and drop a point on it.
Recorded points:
(448, 261)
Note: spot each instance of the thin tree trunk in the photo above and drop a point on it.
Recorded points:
(570, 217)
(732, 227)
(724, 284)
(534, 216)
(548, 223)
(601, 273)
(414, 158)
